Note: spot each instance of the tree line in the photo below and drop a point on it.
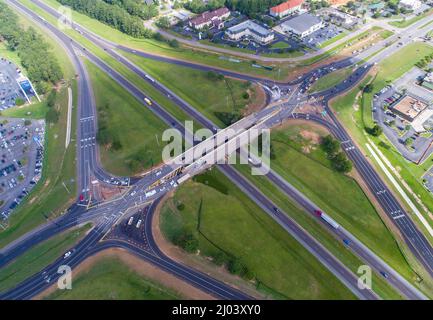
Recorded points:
(34, 52)
(112, 15)
(136, 8)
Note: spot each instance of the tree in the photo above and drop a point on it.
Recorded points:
(368, 88)
(173, 43)
(19, 101)
(330, 145)
(27, 122)
(163, 22)
(187, 241)
(375, 131)
(341, 164)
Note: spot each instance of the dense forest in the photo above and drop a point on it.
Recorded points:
(34, 52)
(136, 8)
(110, 14)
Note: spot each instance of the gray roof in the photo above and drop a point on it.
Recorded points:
(302, 23)
(252, 26)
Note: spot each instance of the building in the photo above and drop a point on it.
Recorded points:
(414, 111)
(211, 19)
(286, 8)
(250, 29)
(427, 82)
(340, 18)
(410, 4)
(302, 25)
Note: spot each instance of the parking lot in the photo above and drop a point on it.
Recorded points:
(9, 88)
(318, 37)
(21, 157)
(412, 145)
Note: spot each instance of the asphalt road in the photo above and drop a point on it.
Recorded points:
(120, 80)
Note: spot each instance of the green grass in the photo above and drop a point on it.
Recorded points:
(33, 111)
(408, 22)
(206, 95)
(232, 223)
(330, 80)
(10, 55)
(332, 40)
(355, 121)
(38, 257)
(152, 46)
(280, 45)
(111, 279)
(339, 195)
(134, 124)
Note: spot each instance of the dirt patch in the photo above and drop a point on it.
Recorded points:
(141, 267)
(258, 102)
(338, 2)
(311, 136)
(195, 261)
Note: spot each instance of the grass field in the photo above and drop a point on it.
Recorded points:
(133, 123)
(302, 163)
(334, 39)
(407, 22)
(149, 45)
(206, 95)
(330, 80)
(111, 279)
(226, 220)
(38, 257)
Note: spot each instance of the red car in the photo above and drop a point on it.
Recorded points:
(318, 212)
(81, 197)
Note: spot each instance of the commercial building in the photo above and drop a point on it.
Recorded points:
(302, 25)
(414, 111)
(339, 18)
(250, 30)
(211, 19)
(410, 4)
(427, 82)
(286, 8)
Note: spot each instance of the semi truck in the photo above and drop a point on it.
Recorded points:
(327, 219)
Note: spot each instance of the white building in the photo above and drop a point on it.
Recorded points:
(302, 25)
(250, 29)
(410, 4)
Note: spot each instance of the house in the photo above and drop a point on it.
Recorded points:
(302, 25)
(286, 8)
(410, 4)
(211, 19)
(250, 29)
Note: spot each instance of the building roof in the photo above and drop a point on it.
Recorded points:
(410, 107)
(286, 6)
(209, 15)
(250, 25)
(302, 23)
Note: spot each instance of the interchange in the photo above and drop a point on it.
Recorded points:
(228, 171)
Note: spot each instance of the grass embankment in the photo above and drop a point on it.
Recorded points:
(49, 196)
(407, 22)
(226, 222)
(334, 39)
(41, 255)
(127, 121)
(354, 110)
(112, 279)
(330, 80)
(208, 95)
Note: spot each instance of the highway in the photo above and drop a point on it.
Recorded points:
(336, 267)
